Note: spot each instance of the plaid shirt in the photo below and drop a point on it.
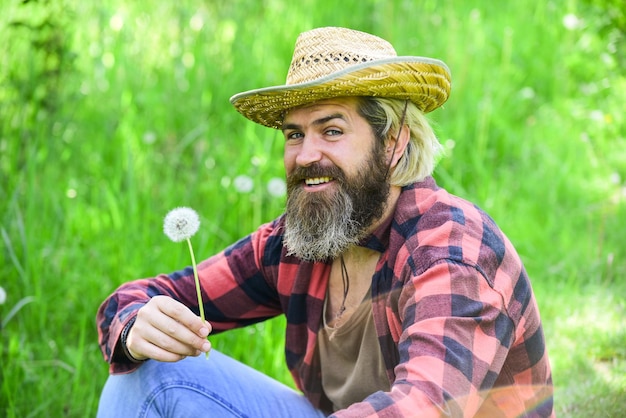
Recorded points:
(457, 321)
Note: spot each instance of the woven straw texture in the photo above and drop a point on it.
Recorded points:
(339, 62)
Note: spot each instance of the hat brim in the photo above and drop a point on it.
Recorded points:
(423, 81)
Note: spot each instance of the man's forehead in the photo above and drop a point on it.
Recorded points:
(341, 101)
(338, 105)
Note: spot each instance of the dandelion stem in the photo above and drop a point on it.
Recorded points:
(197, 280)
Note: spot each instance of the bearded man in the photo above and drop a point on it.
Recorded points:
(400, 299)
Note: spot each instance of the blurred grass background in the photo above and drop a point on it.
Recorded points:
(114, 112)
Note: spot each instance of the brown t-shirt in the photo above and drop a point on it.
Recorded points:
(352, 363)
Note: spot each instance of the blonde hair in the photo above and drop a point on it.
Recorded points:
(384, 116)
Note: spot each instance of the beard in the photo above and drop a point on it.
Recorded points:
(322, 225)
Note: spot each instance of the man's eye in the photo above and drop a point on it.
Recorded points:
(293, 135)
(333, 132)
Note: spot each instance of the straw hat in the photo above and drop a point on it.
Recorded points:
(337, 62)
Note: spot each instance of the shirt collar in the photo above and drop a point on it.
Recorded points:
(378, 240)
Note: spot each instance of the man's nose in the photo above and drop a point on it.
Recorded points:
(309, 152)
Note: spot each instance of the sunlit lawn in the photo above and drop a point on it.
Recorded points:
(114, 112)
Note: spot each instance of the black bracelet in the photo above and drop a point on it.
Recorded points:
(123, 338)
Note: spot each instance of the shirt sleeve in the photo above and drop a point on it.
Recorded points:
(455, 335)
(113, 315)
(236, 291)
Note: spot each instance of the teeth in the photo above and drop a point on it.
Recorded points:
(316, 180)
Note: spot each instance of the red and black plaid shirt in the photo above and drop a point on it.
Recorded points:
(457, 321)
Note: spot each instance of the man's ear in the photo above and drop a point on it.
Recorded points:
(396, 145)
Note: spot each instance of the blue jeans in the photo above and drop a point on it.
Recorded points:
(199, 387)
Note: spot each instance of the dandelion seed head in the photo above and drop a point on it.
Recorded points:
(571, 21)
(188, 60)
(108, 59)
(596, 115)
(209, 163)
(243, 184)
(527, 93)
(116, 23)
(196, 22)
(3, 295)
(181, 223)
(149, 137)
(589, 89)
(276, 187)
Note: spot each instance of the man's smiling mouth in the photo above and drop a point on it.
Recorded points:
(314, 181)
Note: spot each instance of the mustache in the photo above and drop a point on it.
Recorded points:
(315, 170)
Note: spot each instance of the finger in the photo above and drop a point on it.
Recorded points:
(164, 314)
(186, 326)
(148, 350)
(172, 335)
(158, 332)
(159, 353)
(184, 315)
(147, 341)
(140, 345)
(152, 341)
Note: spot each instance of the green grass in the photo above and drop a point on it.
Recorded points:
(114, 112)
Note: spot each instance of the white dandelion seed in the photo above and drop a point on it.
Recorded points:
(181, 224)
(243, 183)
(571, 21)
(615, 178)
(149, 137)
(116, 23)
(527, 93)
(596, 115)
(276, 187)
(3, 295)
(196, 22)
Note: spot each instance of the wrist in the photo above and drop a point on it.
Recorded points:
(124, 338)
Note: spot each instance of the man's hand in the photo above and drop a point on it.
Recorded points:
(166, 330)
